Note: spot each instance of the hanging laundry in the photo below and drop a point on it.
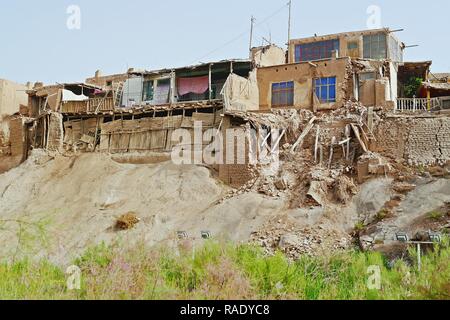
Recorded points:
(197, 85)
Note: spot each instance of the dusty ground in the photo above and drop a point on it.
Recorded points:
(7, 163)
(57, 207)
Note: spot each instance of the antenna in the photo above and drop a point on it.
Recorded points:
(251, 33)
(289, 21)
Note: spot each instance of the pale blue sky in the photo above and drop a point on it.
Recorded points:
(36, 45)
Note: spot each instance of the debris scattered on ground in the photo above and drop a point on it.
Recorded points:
(127, 221)
(403, 187)
(281, 234)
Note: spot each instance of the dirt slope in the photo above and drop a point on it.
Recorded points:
(56, 208)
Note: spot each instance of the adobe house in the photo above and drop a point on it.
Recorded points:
(138, 110)
(323, 72)
(203, 82)
(317, 86)
(107, 81)
(378, 44)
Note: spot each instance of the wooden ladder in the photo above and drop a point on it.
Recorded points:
(118, 94)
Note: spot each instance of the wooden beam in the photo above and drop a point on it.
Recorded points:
(304, 134)
(356, 131)
(333, 143)
(316, 146)
(277, 142)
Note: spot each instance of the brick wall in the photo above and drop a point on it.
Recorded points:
(429, 141)
(234, 174)
(419, 140)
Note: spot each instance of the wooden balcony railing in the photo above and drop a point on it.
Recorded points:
(89, 106)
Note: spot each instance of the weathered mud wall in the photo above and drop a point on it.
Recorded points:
(419, 140)
(302, 74)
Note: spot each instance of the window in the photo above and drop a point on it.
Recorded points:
(367, 76)
(162, 91)
(352, 45)
(315, 50)
(109, 83)
(325, 89)
(148, 92)
(283, 94)
(375, 46)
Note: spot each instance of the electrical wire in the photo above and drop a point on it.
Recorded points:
(243, 33)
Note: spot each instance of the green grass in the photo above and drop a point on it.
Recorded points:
(435, 215)
(227, 272)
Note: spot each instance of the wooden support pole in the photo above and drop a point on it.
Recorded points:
(316, 146)
(333, 143)
(265, 140)
(96, 133)
(210, 83)
(277, 142)
(304, 134)
(321, 154)
(347, 135)
(358, 137)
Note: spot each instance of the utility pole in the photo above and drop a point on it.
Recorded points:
(251, 33)
(289, 21)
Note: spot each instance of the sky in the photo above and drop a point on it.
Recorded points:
(48, 41)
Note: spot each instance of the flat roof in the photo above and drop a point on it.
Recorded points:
(349, 33)
(306, 62)
(191, 67)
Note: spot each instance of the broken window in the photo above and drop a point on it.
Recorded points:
(316, 50)
(148, 92)
(283, 94)
(325, 89)
(375, 46)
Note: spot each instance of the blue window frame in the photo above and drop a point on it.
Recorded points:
(325, 89)
(283, 94)
(316, 50)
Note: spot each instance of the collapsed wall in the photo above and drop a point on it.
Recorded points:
(4, 137)
(420, 140)
(55, 132)
(152, 134)
(17, 137)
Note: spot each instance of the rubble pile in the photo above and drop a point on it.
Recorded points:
(283, 235)
(301, 176)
